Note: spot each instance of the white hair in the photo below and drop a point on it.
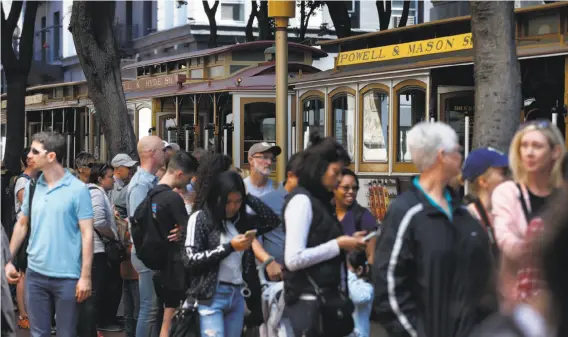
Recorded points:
(425, 139)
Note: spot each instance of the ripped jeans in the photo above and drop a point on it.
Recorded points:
(224, 317)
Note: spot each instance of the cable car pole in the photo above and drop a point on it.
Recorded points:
(281, 11)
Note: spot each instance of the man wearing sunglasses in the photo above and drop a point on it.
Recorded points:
(60, 249)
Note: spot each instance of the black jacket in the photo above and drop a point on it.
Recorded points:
(205, 251)
(433, 277)
(323, 228)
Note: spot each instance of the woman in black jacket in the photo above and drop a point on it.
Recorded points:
(219, 258)
(315, 244)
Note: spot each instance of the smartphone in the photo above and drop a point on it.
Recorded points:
(370, 236)
(250, 233)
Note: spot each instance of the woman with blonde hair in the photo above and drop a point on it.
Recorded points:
(535, 159)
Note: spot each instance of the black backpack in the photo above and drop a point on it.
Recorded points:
(21, 258)
(150, 242)
(10, 216)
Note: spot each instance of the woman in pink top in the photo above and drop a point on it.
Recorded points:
(535, 161)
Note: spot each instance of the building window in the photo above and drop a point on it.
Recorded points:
(56, 35)
(232, 11)
(411, 110)
(343, 121)
(313, 115)
(43, 36)
(375, 125)
(259, 124)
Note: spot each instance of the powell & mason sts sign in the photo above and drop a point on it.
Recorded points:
(402, 50)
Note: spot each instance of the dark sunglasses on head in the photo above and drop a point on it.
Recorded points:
(102, 170)
(537, 124)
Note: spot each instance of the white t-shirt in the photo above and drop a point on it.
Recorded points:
(20, 185)
(258, 191)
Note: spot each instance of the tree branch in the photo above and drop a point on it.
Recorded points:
(15, 11)
(27, 37)
(404, 16)
(7, 50)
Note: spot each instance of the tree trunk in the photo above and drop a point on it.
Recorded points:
(404, 16)
(93, 34)
(497, 75)
(340, 18)
(210, 12)
(265, 31)
(16, 70)
(253, 15)
(384, 13)
(16, 108)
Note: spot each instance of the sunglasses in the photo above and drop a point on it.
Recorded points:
(538, 124)
(36, 152)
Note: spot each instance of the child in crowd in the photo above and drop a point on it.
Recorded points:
(361, 292)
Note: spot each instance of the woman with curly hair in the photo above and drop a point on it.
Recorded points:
(219, 238)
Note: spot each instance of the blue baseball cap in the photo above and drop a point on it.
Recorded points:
(479, 160)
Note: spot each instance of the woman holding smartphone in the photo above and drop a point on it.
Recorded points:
(315, 246)
(219, 237)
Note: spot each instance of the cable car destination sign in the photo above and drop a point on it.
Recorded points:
(403, 50)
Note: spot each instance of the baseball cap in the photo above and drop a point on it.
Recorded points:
(479, 160)
(122, 159)
(264, 147)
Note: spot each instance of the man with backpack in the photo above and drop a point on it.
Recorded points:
(162, 211)
(152, 157)
(60, 250)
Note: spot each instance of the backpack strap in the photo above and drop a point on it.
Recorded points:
(523, 203)
(485, 218)
(30, 200)
(358, 212)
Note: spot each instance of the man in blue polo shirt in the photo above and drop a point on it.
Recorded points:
(60, 249)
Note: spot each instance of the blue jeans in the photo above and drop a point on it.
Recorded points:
(149, 316)
(131, 297)
(224, 317)
(42, 292)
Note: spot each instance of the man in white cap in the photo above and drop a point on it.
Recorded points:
(171, 149)
(261, 156)
(123, 166)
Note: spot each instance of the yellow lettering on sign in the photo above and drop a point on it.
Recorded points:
(403, 50)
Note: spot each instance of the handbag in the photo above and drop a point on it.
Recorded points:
(186, 320)
(114, 249)
(336, 312)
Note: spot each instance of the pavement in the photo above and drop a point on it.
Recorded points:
(376, 331)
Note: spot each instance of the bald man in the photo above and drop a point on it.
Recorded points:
(152, 157)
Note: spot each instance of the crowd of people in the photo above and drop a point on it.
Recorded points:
(173, 225)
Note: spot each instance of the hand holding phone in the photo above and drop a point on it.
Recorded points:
(369, 236)
(251, 233)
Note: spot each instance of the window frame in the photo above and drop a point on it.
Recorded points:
(329, 125)
(400, 167)
(373, 166)
(244, 101)
(309, 95)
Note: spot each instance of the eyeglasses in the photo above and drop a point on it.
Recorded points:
(264, 158)
(348, 188)
(538, 124)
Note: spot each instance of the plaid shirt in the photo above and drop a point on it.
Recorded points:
(529, 278)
